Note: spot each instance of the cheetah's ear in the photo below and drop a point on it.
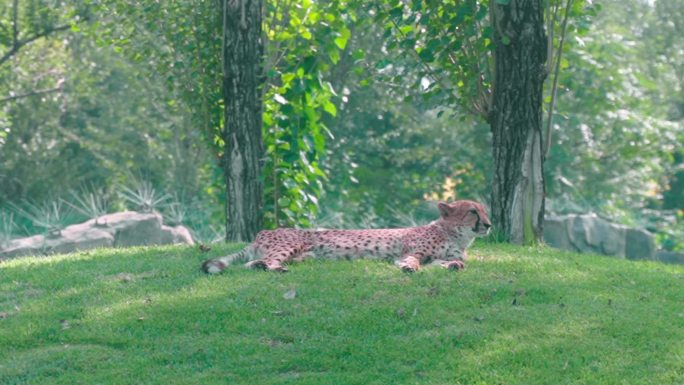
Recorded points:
(444, 209)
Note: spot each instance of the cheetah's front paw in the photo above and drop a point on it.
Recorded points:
(406, 268)
(409, 264)
(454, 265)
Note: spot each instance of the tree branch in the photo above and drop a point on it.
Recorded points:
(552, 14)
(547, 144)
(31, 93)
(15, 23)
(18, 44)
(436, 78)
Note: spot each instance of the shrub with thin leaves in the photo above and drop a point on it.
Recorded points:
(208, 234)
(143, 196)
(50, 215)
(7, 226)
(91, 203)
(176, 212)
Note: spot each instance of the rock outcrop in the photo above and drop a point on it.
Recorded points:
(588, 233)
(122, 229)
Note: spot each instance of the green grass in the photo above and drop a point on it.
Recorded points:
(516, 315)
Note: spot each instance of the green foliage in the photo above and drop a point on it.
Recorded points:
(179, 41)
(516, 315)
(453, 44)
(369, 108)
(615, 135)
(143, 196)
(175, 213)
(90, 202)
(7, 227)
(51, 215)
(305, 41)
(23, 22)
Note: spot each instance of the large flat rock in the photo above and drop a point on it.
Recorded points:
(588, 233)
(128, 228)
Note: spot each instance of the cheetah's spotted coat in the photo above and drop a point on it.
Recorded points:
(442, 242)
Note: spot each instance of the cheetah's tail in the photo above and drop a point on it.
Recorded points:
(217, 265)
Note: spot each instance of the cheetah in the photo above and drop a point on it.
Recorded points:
(442, 242)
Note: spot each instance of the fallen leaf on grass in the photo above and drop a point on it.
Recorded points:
(290, 294)
(280, 313)
(124, 277)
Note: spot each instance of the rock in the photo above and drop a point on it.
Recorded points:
(80, 237)
(34, 245)
(588, 233)
(122, 229)
(603, 237)
(175, 235)
(134, 229)
(640, 244)
(670, 256)
(585, 233)
(556, 233)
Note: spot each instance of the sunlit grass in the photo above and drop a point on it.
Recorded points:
(516, 315)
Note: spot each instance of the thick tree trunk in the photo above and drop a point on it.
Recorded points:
(243, 153)
(516, 119)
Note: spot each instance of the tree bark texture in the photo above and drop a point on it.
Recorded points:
(516, 119)
(243, 151)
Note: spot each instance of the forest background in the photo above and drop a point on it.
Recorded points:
(108, 104)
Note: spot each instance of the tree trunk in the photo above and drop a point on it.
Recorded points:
(516, 119)
(243, 151)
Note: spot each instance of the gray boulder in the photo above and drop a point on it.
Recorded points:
(556, 233)
(176, 235)
(122, 229)
(588, 233)
(640, 244)
(591, 234)
(670, 256)
(134, 229)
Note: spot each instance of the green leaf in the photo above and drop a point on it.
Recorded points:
(329, 108)
(334, 55)
(341, 40)
(426, 55)
(505, 40)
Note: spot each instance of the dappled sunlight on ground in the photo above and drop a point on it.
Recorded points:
(514, 314)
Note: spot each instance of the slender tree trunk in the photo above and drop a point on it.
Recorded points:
(243, 151)
(516, 119)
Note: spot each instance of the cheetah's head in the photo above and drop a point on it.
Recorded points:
(468, 214)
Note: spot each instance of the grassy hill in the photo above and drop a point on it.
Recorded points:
(517, 315)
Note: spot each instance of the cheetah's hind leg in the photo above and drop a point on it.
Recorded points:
(274, 260)
(217, 265)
